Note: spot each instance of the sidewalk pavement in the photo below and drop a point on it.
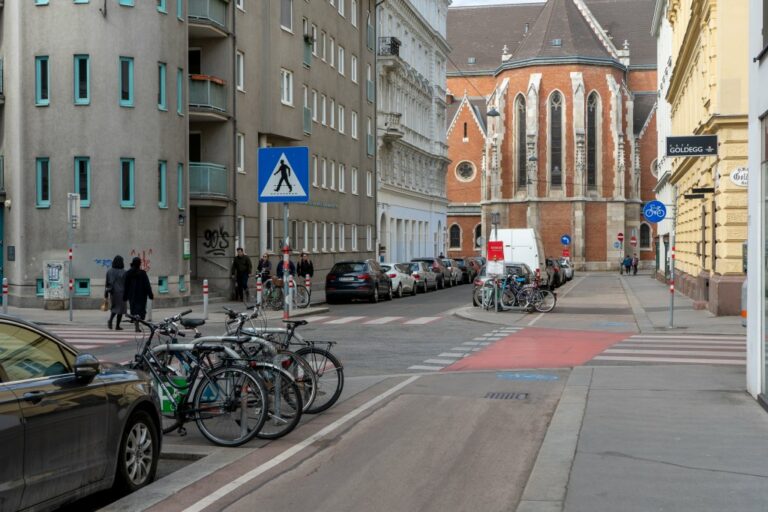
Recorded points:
(647, 298)
(97, 318)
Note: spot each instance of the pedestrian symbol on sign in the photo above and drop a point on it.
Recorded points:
(282, 182)
(285, 172)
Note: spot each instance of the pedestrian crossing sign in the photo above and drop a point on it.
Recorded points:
(284, 174)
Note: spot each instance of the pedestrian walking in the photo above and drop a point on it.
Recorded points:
(627, 264)
(114, 290)
(305, 266)
(138, 290)
(635, 263)
(264, 267)
(242, 268)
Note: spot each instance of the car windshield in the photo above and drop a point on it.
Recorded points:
(348, 268)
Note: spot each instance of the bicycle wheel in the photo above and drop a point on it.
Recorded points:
(301, 296)
(230, 405)
(525, 299)
(544, 301)
(285, 406)
(508, 298)
(276, 299)
(302, 374)
(489, 296)
(329, 374)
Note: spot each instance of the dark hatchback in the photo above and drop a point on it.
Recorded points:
(69, 426)
(363, 279)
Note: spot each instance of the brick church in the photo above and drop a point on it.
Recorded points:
(551, 124)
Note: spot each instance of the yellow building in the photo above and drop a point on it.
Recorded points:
(708, 94)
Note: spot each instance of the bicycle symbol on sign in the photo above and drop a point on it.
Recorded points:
(655, 211)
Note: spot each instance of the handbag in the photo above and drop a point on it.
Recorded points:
(104, 305)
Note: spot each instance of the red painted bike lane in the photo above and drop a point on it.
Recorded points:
(540, 348)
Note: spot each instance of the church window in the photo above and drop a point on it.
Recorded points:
(522, 159)
(592, 135)
(556, 139)
(455, 236)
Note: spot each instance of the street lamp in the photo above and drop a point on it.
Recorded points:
(495, 219)
(493, 112)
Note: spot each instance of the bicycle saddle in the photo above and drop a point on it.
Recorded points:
(297, 323)
(191, 323)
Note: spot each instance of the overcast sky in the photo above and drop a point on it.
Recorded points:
(462, 3)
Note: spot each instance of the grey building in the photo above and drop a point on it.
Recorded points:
(153, 112)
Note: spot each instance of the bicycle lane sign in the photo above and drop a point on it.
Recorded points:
(654, 211)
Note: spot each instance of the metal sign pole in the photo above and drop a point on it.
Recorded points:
(672, 260)
(286, 261)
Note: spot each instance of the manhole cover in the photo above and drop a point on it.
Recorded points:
(506, 396)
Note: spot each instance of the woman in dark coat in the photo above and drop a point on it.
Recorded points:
(115, 291)
(138, 290)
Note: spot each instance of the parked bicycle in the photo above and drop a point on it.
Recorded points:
(273, 295)
(511, 293)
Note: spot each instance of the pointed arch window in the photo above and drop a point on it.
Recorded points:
(455, 237)
(478, 234)
(556, 139)
(593, 107)
(522, 161)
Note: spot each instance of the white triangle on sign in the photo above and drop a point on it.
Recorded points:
(283, 182)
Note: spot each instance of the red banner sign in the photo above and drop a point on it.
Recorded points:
(495, 250)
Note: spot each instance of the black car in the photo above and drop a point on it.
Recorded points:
(468, 272)
(444, 274)
(363, 279)
(69, 425)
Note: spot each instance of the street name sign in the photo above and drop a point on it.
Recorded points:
(284, 175)
(654, 211)
(692, 145)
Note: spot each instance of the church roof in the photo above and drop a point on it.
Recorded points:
(478, 34)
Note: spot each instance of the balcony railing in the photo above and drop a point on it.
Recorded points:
(392, 129)
(207, 93)
(207, 180)
(208, 11)
(389, 46)
(307, 120)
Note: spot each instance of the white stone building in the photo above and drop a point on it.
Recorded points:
(411, 151)
(662, 166)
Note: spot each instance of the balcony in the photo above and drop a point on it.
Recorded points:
(392, 130)
(208, 183)
(207, 19)
(389, 53)
(207, 98)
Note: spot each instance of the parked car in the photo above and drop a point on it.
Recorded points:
(468, 270)
(444, 274)
(423, 275)
(567, 268)
(71, 426)
(555, 275)
(360, 279)
(521, 270)
(456, 274)
(402, 280)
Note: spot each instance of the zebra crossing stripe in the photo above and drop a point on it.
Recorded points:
(314, 319)
(382, 320)
(697, 337)
(451, 354)
(671, 360)
(426, 368)
(630, 351)
(422, 320)
(439, 361)
(345, 320)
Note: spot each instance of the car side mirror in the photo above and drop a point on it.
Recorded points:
(86, 367)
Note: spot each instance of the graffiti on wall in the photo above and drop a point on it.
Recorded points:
(146, 257)
(216, 241)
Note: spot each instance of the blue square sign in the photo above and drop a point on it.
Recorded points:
(284, 174)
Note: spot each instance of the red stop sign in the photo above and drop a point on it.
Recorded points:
(620, 237)
(633, 241)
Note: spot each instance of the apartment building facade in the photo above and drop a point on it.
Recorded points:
(412, 154)
(154, 111)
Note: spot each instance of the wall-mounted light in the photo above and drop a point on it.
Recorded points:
(493, 112)
(182, 219)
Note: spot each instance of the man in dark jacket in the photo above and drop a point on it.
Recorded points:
(242, 268)
(280, 270)
(305, 267)
(137, 290)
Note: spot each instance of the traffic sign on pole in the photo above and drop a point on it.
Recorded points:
(566, 253)
(654, 211)
(565, 239)
(633, 241)
(284, 175)
(620, 237)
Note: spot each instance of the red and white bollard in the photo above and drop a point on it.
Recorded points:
(307, 282)
(259, 291)
(205, 299)
(5, 295)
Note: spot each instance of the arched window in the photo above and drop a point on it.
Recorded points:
(593, 107)
(556, 139)
(478, 234)
(455, 236)
(645, 236)
(522, 161)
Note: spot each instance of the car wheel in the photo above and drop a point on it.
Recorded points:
(139, 452)
(414, 288)
(441, 283)
(400, 291)
(390, 295)
(375, 295)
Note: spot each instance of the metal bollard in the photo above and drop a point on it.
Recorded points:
(307, 282)
(259, 291)
(205, 299)
(5, 295)
(291, 293)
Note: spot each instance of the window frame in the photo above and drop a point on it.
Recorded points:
(131, 201)
(353, 125)
(180, 9)
(353, 237)
(286, 87)
(521, 142)
(342, 113)
(341, 58)
(162, 186)
(162, 6)
(240, 150)
(324, 173)
(342, 177)
(180, 192)
(180, 90)
(451, 233)
(595, 138)
(353, 67)
(77, 59)
(39, 188)
(129, 102)
(162, 86)
(240, 70)
(551, 104)
(353, 12)
(342, 233)
(42, 61)
(162, 284)
(341, 8)
(332, 114)
(314, 171)
(353, 181)
(85, 203)
(369, 183)
(289, 27)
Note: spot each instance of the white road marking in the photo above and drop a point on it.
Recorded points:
(485, 344)
(460, 349)
(679, 345)
(690, 337)
(382, 320)
(84, 347)
(668, 341)
(734, 353)
(423, 320)
(313, 319)
(471, 343)
(477, 349)
(450, 354)
(439, 361)
(671, 360)
(290, 452)
(345, 320)
(427, 368)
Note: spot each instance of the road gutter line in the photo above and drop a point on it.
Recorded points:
(259, 470)
(643, 321)
(566, 292)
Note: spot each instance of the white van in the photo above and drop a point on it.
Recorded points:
(523, 245)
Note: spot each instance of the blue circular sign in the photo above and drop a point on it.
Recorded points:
(654, 211)
(565, 239)
(617, 245)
